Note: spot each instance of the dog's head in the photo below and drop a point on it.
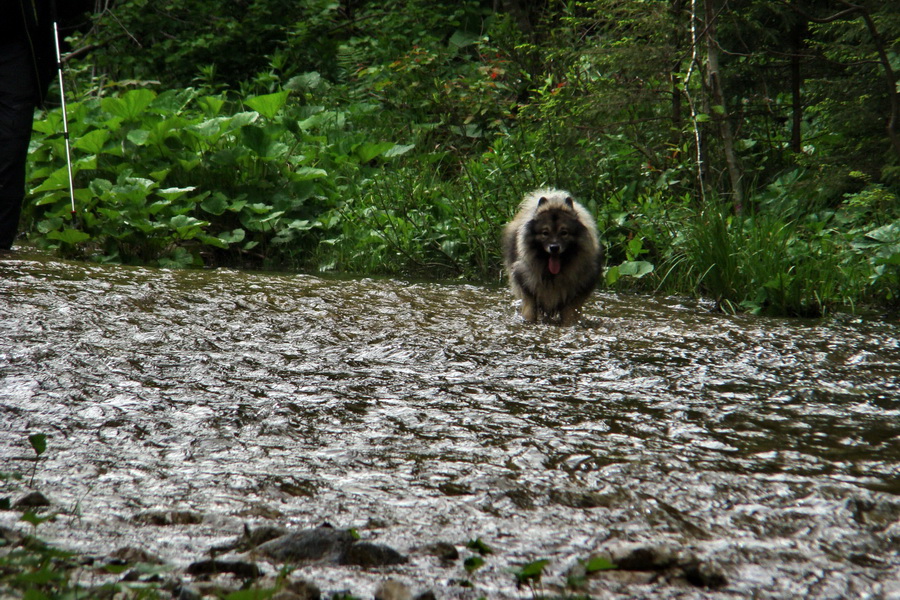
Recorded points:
(555, 231)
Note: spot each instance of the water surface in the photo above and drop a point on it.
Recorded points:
(767, 450)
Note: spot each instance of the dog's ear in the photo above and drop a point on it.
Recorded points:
(542, 201)
(569, 202)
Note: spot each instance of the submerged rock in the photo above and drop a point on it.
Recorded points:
(327, 544)
(246, 570)
(366, 554)
(168, 517)
(31, 500)
(131, 555)
(445, 551)
(393, 590)
(251, 538)
(321, 543)
(299, 589)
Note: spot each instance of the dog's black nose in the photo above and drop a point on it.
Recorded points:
(553, 248)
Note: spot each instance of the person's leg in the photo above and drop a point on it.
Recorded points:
(17, 103)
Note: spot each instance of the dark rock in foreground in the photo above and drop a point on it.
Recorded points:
(327, 544)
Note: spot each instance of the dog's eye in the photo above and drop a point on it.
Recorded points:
(545, 232)
(564, 233)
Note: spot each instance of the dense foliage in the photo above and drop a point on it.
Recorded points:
(748, 151)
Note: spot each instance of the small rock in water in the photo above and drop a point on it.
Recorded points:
(392, 590)
(32, 500)
(168, 517)
(131, 555)
(365, 554)
(321, 543)
(247, 570)
(445, 551)
(639, 557)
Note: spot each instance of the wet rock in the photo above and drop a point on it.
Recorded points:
(393, 590)
(581, 499)
(184, 592)
(31, 500)
(11, 536)
(162, 518)
(245, 570)
(251, 538)
(705, 575)
(131, 555)
(445, 551)
(366, 554)
(303, 590)
(426, 595)
(321, 543)
(642, 557)
(521, 498)
(454, 489)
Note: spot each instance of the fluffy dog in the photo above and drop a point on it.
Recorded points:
(552, 254)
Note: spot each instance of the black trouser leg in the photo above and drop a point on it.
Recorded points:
(16, 114)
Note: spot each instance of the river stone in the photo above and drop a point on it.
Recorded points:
(131, 555)
(445, 551)
(299, 589)
(32, 500)
(163, 518)
(642, 557)
(705, 575)
(366, 554)
(250, 539)
(393, 590)
(321, 543)
(246, 570)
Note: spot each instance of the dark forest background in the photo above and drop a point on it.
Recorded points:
(743, 150)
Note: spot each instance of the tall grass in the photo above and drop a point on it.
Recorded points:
(764, 264)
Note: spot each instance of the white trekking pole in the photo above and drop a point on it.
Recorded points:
(62, 95)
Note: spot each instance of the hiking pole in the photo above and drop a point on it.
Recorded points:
(62, 95)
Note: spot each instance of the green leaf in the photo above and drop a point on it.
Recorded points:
(473, 563)
(57, 180)
(216, 204)
(532, 571)
(138, 137)
(69, 236)
(93, 141)
(305, 81)
(480, 547)
(598, 563)
(268, 105)
(635, 268)
(174, 193)
(234, 236)
(31, 517)
(461, 39)
(308, 173)
(38, 441)
(368, 151)
(399, 149)
(129, 105)
(888, 234)
(251, 594)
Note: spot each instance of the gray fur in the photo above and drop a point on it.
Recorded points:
(552, 232)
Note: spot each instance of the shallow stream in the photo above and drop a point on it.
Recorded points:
(765, 450)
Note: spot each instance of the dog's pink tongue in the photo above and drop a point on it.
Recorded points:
(554, 264)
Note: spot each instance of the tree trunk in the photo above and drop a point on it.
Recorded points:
(678, 34)
(714, 82)
(797, 35)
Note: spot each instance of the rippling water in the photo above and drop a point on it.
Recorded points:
(767, 449)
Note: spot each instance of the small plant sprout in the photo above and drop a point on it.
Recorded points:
(530, 574)
(38, 442)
